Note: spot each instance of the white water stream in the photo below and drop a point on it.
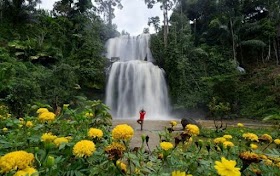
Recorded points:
(135, 82)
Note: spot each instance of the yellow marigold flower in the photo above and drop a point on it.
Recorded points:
(27, 172)
(46, 116)
(115, 146)
(240, 125)
(277, 141)
(15, 160)
(21, 119)
(262, 156)
(268, 162)
(122, 166)
(265, 138)
(227, 136)
(275, 159)
(29, 124)
(5, 129)
(166, 145)
(84, 148)
(173, 123)
(115, 150)
(122, 132)
(89, 114)
(278, 165)
(60, 140)
(253, 146)
(160, 156)
(192, 130)
(249, 157)
(95, 133)
(228, 144)
(227, 168)
(69, 138)
(137, 171)
(219, 140)
(48, 137)
(178, 173)
(257, 171)
(41, 110)
(188, 142)
(250, 136)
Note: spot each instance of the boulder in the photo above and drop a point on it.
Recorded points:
(186, 121)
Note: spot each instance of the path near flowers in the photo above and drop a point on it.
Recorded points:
(153, 127)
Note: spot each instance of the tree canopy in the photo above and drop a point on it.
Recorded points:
(217, 49)
(51, 56)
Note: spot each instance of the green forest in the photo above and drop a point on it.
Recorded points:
(218, 55)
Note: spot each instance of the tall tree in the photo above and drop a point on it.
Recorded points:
(200, 13)
(166, 6)
(107, 7)
(155, 22)
(70, 8)
(83, 5)
(230, 9)
(273, 7)
(17, 11)
(63, 8)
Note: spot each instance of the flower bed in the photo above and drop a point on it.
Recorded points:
(81, 141)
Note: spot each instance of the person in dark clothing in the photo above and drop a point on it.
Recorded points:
(142, 113)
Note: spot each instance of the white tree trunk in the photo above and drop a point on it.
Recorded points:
(233, 41)
(165, 26)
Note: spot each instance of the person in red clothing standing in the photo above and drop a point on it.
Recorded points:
(142, 116)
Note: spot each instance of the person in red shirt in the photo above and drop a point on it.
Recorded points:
(142, 116)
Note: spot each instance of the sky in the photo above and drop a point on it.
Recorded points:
(132, 18)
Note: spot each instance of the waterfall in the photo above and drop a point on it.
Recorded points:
(134, 81)
(129, 48)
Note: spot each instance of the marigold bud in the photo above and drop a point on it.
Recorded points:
(50, 161)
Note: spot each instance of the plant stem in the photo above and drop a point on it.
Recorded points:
(266, 147)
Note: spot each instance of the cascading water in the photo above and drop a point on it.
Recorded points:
(130, 48)
(134, 81)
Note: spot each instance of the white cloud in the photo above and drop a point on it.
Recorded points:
(47, 4)
(133, 18)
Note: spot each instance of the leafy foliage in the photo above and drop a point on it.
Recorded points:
(203, 58)
(50, 57)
